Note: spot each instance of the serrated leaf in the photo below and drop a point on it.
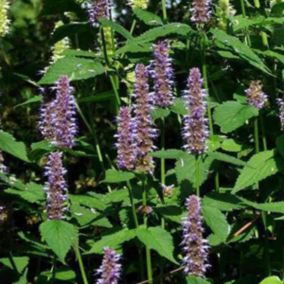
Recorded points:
(223, 201)
(274, 207)
(171, 154)
(32, 192)
(240, 49)
(9, 145)
(231, 115)
(230, 145)
(226, 158)
(113, 241)
(179, 107)
(160, 113)
(76, 68)
(147, 17)
(157, 239)
(20, 262)
(60, 236)
(114, 176)
(271, 280)
(259, 167)
(196, 280)
(217, 222)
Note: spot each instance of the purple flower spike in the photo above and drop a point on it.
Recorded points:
(64, 116)
(126, 148)
(162, 74)
(201, 12)
(55, 187)
(110, 269)
(145, 125)
(194, 246)
(195, 125)
(46, 123)
(255, 96)
(281, 112)
(98, 9)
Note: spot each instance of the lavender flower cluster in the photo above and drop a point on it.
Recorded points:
(162, 74)
(255, 96)
(201, 11)
(195, 128)
(55, 187)
(57, 117)
(194, 245)
(98, 9)
(110, 269)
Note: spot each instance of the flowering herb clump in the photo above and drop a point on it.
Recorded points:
(126, 148)
(110, 269)
(162, 74)
(195, 247)
(255, 95)
(195, 125)
(55, 187)
(145, 131)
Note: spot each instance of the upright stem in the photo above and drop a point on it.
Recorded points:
(256, 4)
(81, 264)
(148, 251)
(94, 134)
(256, 135)
(164, 8)
(163, 165)
(197, 174)
(247, 37)
(264, 141)
(133, 25)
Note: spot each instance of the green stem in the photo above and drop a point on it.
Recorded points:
(217, 182)
(197, 174)
(256, 135)
(148, 251)
(81, 264)
(164, 8)
(163, 161)
(94, 134)
(264, 141)
(244, 13)
(134, 213)
(256, 4)
(133, 25)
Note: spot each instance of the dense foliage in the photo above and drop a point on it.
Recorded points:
(142, 141)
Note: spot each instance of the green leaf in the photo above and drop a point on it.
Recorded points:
(32, 100)
(113, 241)
(230, 145)
(186, 169)
(160, 113)
(76, 68)
(32, 192)
(170, 154)
(273, 54)
(259, 167)
(271, 280)
(240, 49)
(88, 201)
(223, 201)
(59, 235)
(9, 145)
(231, 115)
(179, 107)
(114, 176)
(20, 262)
(226, 158)
(217, 222)
(280, 145)
(147, 17)
(166, 30)
(157, 239)
(274, 207)
(196, 280)
(116, 27)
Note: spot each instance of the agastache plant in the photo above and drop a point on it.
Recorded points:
(162, 74)
(201, 11)
(4, 19)
(195, 247)
(110, 269)
(195, 125)
(255, 95)
(126, 147)
(281, 112)
(145, 126)
(46, 122)
(55, 187)
(98, 9)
